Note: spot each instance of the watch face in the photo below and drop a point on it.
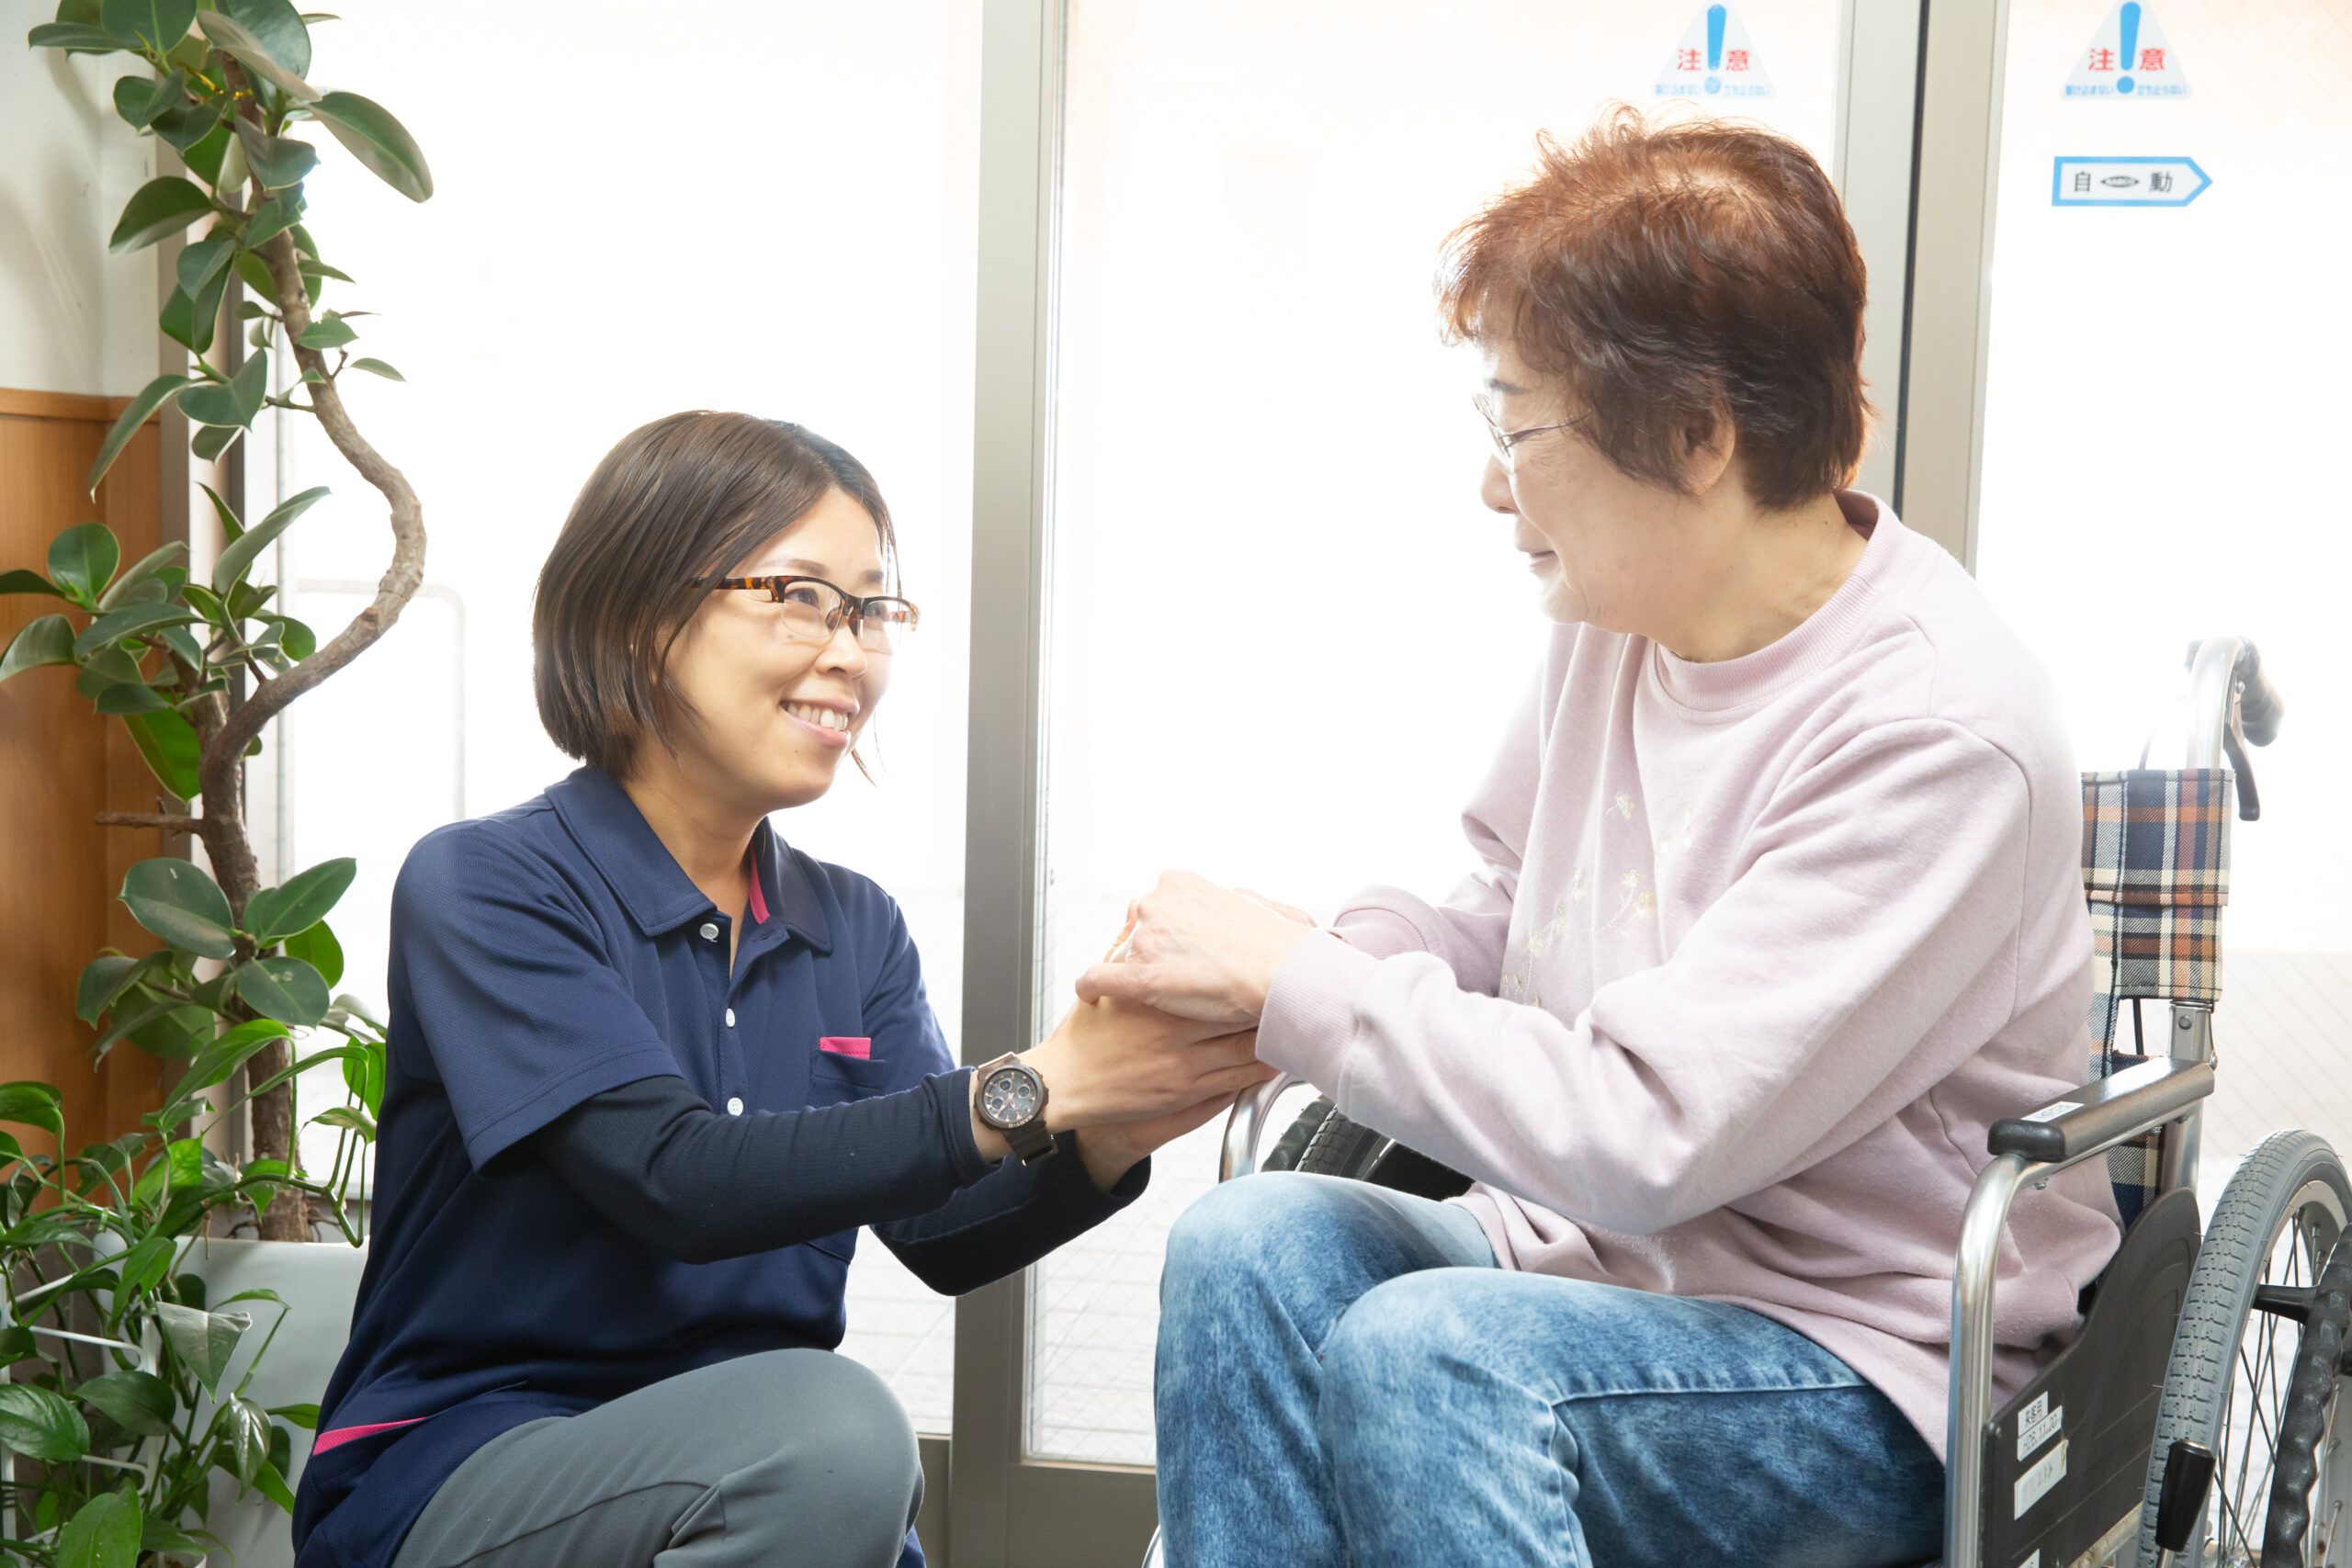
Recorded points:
(1009, 1097)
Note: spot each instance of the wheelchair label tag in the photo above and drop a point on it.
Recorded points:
(2032, 1562)
(2037, 1424)
(2052, 1112)
(2035, 1484)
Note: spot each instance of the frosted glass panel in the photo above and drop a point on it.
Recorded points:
(1258, 440)
(767, 206)
(2165, 384)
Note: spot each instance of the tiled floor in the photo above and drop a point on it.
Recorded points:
(2284, 1034)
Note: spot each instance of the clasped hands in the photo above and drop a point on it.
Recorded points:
(1164, 1035)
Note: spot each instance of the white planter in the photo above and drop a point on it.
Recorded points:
(319, 1281)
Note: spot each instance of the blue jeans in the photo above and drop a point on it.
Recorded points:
(1346, 1377)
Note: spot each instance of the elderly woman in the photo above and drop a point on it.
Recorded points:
(1776, 910)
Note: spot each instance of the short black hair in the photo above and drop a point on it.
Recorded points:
(677, 501)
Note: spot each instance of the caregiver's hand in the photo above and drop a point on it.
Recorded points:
(1200, 951)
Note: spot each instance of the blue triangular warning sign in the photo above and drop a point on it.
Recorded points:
(2127, 56)
(1714, 60)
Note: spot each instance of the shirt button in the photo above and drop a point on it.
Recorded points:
(730, 1018)
(735, 1107)
(709, 933)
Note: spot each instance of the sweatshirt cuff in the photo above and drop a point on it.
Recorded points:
(951, 1093)
(1382, 932)
(1310, 1017)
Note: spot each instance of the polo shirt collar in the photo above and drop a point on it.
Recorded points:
(655, 890)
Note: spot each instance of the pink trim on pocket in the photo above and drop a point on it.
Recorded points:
(343, 1435)
(847, 1046)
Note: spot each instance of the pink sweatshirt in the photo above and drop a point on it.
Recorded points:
(1755, 953)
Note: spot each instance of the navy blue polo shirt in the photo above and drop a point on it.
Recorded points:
(539, 957)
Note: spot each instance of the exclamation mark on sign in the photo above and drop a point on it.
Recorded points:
(1715, 15)
(2128, 38)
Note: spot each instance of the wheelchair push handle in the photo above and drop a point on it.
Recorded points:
(2232, 706)
(2180, 1500)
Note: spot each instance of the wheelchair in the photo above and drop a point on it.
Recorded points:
(2186, 1424)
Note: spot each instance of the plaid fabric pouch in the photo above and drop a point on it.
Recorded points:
(2156, 872)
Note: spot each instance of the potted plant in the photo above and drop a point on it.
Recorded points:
(196, 666)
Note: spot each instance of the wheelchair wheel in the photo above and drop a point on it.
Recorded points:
(2233, 1354)
(2304, 1530)
(1341, 1147)
(1292, 1145)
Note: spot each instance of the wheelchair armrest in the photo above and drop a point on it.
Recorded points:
(2078, 1122)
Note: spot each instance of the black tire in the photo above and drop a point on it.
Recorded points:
(1341, 1147)
(2296, 1535)
(2276, 1222)
(1292, 1145)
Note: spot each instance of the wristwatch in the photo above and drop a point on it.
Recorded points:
(1013, 1100)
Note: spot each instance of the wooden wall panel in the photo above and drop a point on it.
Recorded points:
(59, 765)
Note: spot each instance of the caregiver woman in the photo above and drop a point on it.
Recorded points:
(650, 1069)
(1777, 909)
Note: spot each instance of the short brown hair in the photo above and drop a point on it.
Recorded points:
(677, 501)
(1672, 274)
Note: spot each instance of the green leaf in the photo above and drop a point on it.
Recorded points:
(41, 1424)
(277, 27)
(23, 581)
(283, 988)
(139, 99)
(144, 1267)
(226, 1054)
(106, 667)
(153, 25)
(31, 1105)
(234, 40)
(48, 640)
(104, 1533)
(81, 561)
(182, 643)
(270, 1481)
(127, 697)
(378, 367)
(170, 746)
(180, 1033)
(320, 269)
(330, 331)
(233, 403)
(198, 262)
(103, 979)
(363, 1073)
(302, 902)
(16, 1345)
(255, 271)
(214, 439)
(193, 320)
(146, 567)
(231, 525)
(134, 620)
(245, 1426)
(277, 160)
(182, 905)
(239, 557)
(295, 637)
(152, 396)
(303, 1415)
(370, 133)
(158, 209)
(137, 1402)
(275, 220)
(345, 1117)
(128, 1019)
(203, 1340)
(73, 34)
(190, 125)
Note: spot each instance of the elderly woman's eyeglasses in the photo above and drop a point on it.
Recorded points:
(814, 610)
(1507, 441)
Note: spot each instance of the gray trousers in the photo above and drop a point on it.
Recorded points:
(791, 1459)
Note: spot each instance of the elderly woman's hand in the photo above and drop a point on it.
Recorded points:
(1200, 951)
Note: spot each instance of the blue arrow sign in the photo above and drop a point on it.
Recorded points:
(2125, 181)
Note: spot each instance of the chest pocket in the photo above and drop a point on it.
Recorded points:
(835, 1078)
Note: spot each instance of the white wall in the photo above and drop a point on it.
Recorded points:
(73, 318)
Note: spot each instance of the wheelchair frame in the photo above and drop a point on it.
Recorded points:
(2161, 1095)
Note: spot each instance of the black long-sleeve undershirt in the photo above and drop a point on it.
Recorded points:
(654, 1158)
